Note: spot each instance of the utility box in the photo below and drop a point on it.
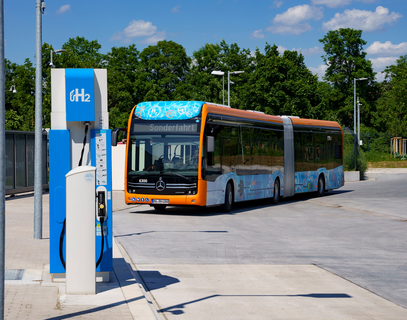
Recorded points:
(80, 231)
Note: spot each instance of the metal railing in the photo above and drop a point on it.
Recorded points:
(20, 161)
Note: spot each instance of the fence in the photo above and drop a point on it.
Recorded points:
(398, 147)
(378, 141)
(20, 161)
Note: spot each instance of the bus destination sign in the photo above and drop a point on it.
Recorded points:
(166, 128)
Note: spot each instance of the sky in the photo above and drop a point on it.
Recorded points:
(289, 24)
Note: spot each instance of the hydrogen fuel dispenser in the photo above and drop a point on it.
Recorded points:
(80, 136)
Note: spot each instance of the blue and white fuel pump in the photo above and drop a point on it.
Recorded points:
(80, 136)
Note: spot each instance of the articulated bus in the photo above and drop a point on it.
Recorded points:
(196, 153)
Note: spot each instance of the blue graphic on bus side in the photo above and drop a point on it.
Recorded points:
(251, 187)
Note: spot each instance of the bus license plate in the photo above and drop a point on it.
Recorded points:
(160, 201)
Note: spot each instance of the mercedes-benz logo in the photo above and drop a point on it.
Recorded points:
(160, 185)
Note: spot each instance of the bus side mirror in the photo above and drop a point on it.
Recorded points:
(115, 135)
(210, 144)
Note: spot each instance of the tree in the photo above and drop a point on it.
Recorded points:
(20, 106)
(200, 84)
(80, 53)
(281, 85)
(346, 60)
(122, 65)
(392, 105)
(163, 67)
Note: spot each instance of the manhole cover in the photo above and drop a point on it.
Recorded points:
(14, 274)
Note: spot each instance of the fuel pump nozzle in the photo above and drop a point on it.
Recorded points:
(101, 205)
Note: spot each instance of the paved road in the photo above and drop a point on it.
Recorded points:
(356, 233)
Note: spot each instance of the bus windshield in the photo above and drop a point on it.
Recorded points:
(157, 154)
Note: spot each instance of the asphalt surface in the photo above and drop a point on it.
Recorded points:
(356, 233)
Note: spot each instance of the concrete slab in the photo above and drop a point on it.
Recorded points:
(352, 176)
(261, 292)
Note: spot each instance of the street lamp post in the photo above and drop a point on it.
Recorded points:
(354, 113)
(55, 51)
(2, 162)
(221, 73)
(38, 125)
(358, 104)
(229, 73)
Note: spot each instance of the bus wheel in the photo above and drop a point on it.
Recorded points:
(321, 186)
(160, 207)
(276, 195)
(227, 206)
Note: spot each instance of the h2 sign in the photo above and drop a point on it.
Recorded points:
(80, 94)
(75, 96)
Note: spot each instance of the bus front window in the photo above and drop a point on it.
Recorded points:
(160, 154)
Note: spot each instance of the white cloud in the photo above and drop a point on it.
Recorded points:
(64, 9)
(159, 36)
(387, 48)
(292, 21)
(331, 3)
(258, 34)
(361, 19)
(176, 9)
(297, 14)
(277, 3)
(139, 29)
(296, 29)
(320, 70)
(281, 49)
(380, 63)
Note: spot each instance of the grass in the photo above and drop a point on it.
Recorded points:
(383, 160)
(388, 164)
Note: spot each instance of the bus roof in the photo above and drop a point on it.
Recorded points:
(183, 110)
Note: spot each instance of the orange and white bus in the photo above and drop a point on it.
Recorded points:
(197, 153)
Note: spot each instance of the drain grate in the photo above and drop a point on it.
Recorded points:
(13, 274)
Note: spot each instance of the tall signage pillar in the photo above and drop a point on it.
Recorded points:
(79, 136)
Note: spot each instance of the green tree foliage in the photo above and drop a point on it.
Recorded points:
(202, 85)
(20, 106)
(122, 66)
(163, 67)
(346, 60)
(272, 82)
(80, 53)
(281, 84)
(392, 105)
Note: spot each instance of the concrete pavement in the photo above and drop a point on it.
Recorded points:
(30, 292)
(341, 256)
(175, 291)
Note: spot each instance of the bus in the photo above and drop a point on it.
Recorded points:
(194, 153)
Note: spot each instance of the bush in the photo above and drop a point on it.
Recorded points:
(349, 156)
(361, 162)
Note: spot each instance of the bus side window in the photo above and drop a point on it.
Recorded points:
(213, 169)
(337, 150)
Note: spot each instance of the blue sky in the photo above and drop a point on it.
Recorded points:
(290, 24)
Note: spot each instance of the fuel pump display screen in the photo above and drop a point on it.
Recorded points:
(101, 159)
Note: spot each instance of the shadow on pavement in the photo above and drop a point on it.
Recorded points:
(177, 308)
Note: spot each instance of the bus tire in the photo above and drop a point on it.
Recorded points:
(276, 194)
(160, 207)
(227, 206)
(321, 186)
